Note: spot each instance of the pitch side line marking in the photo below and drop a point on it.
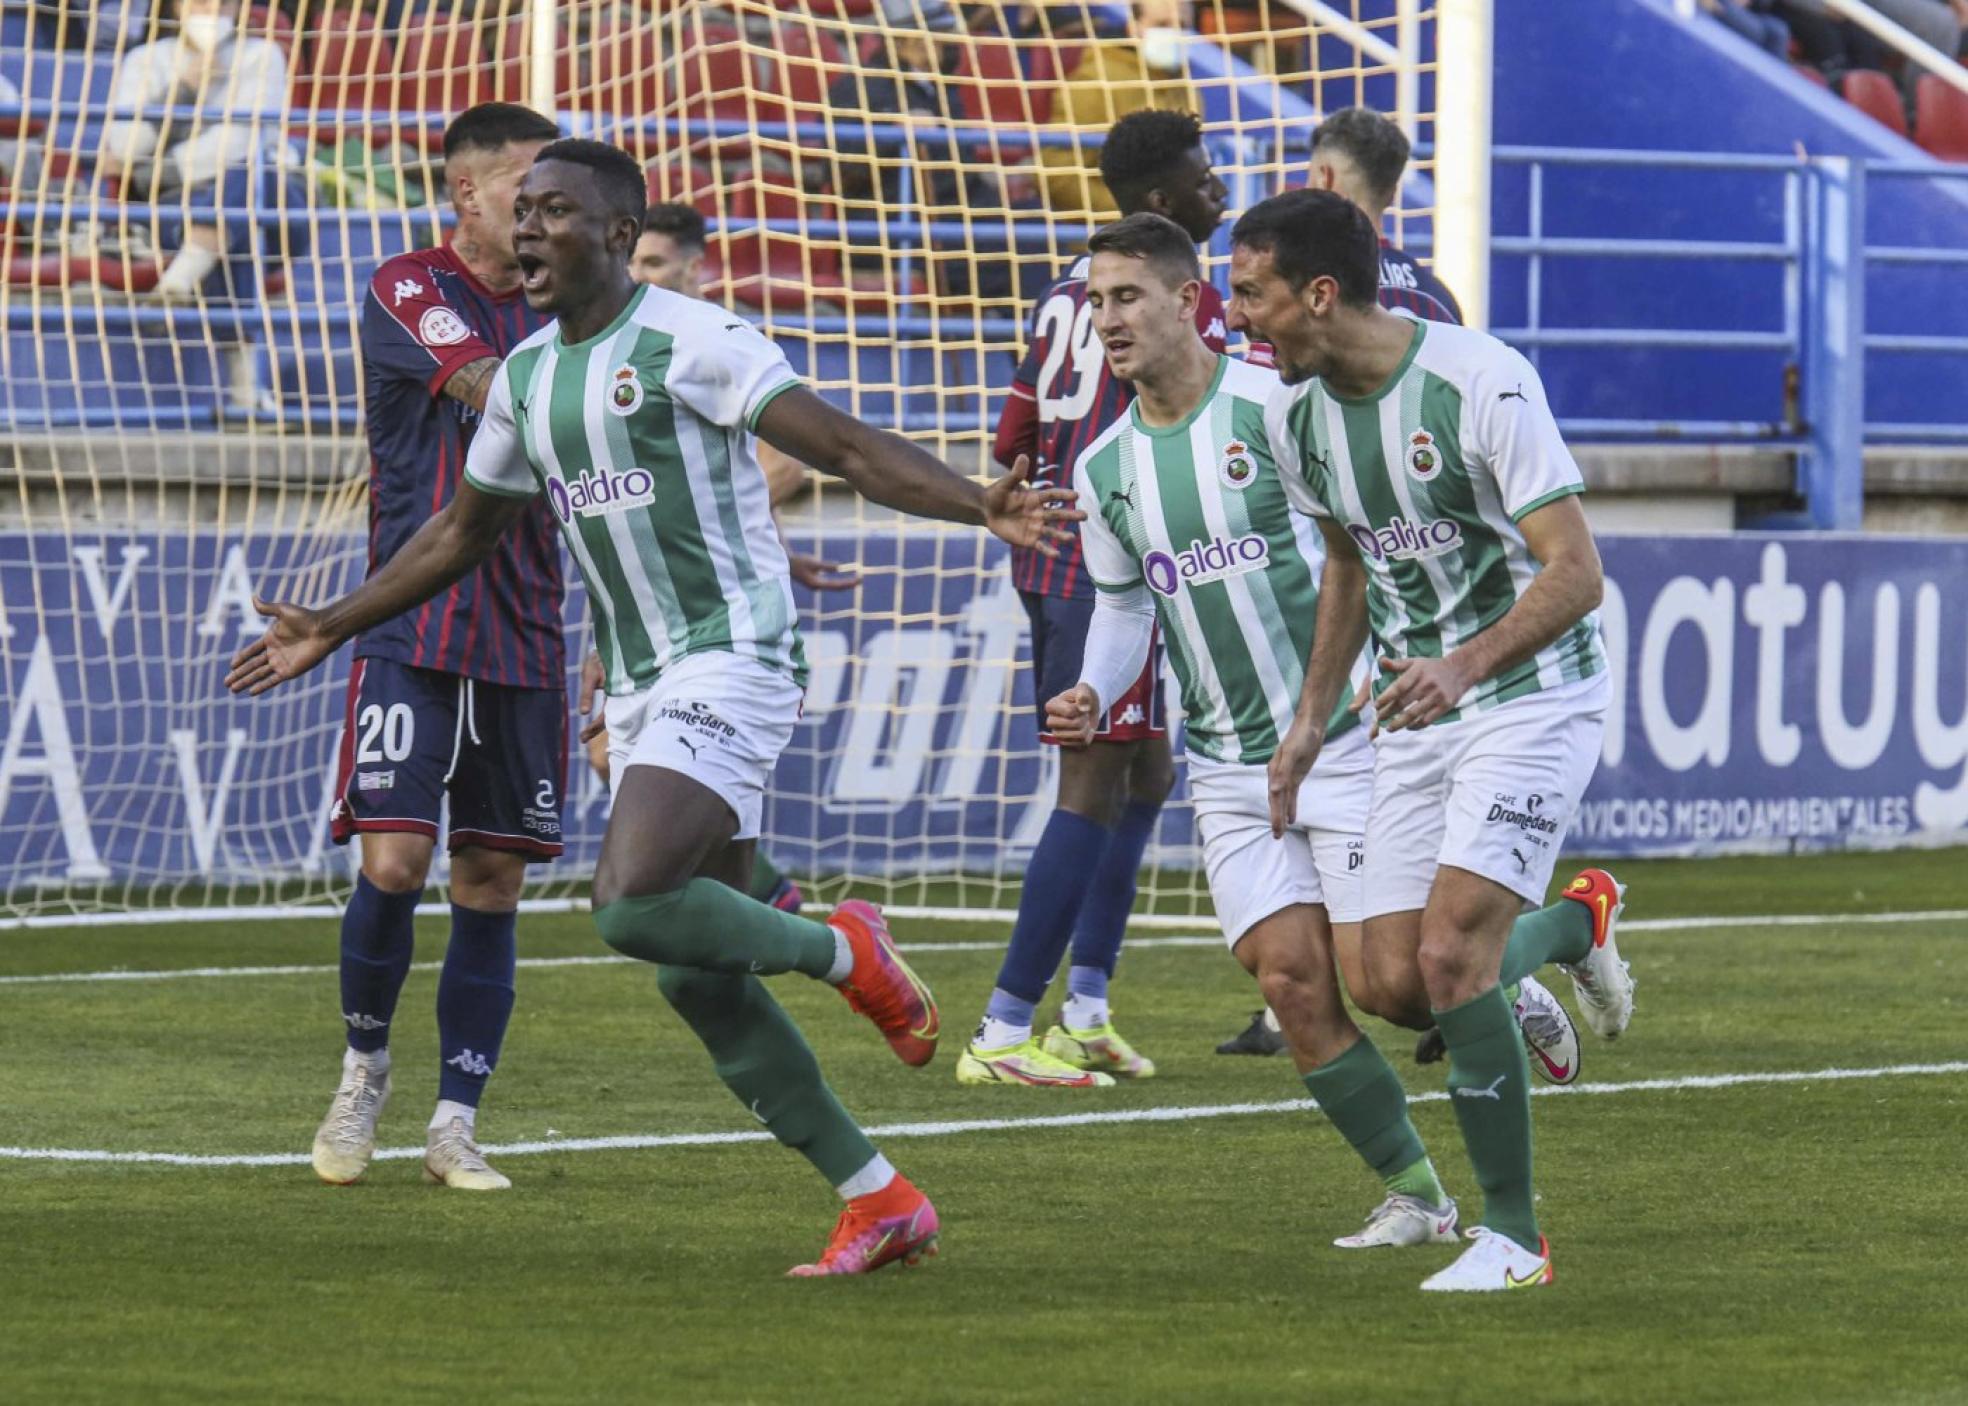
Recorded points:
(1177, 1114)
(1794, 920)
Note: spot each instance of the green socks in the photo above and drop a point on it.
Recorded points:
(1489, 1086)
(711, 927)
(766, 877)
(1362, 1095)
(1560, 933)
(764, 1060)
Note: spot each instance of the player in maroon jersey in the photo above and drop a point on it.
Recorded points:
(463, 697)
(1080, 882)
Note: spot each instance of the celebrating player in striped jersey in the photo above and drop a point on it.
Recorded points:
(632, 414)
(1189, 522)
(464, 697)
(1080, 882)
(1449, 506)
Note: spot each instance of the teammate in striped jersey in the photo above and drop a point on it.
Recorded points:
(1080, 882)
(1449, 506)
(464, 696)
(1363, 156)
(633, 414)
(1189, 522)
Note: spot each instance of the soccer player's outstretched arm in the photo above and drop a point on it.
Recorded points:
(887, 469)
(496, 486)
(1339, 632)
(1539, 484)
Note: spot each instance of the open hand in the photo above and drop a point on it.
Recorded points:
(1422, 691)
(1286, 772)
(294, 643)
(592, 678)
(1028, 516)
(817, 575)
(1072, 716)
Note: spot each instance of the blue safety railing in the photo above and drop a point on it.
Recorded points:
(1821, 255)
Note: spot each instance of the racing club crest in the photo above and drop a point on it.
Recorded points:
(624, 391)
(1238, 469)
(1424, 460)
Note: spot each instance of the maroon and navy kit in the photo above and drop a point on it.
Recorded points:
(1062, 397)
(465, 694)
(1406, 284)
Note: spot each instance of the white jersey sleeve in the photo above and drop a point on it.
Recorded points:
(496, 461)
(1515, 437)
(1287, 454)
(726, 370)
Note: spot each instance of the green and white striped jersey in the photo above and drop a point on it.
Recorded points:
(1430, 476)
(641, 439)
(1197, 513)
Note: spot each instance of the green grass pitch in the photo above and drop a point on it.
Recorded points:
(1754, 1242)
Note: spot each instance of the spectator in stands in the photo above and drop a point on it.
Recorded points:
(1835, 46)
(239, 86)
(1755, 20)
(1108, 78)
(952, 179)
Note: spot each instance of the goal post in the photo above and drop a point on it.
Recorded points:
(885, 197)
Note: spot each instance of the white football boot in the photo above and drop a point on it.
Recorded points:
(1602, 982)
(1400, 1221)
(1550, 1038)
(1492, 1264)
(346, 1139)
(452, 1159)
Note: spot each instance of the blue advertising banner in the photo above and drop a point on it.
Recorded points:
(1771, 692)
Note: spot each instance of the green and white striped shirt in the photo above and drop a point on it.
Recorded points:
(640, 438)
(1196, 513)
(1430, 476)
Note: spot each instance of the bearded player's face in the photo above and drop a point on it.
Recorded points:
(562, 236)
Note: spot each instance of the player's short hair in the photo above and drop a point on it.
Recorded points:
(618, 174)
(1316, 234)
(683, 223)
(1143, 149)
(1377, 148)
(495, 126)
(1158, 240)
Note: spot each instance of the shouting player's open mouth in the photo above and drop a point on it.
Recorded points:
(533, 272)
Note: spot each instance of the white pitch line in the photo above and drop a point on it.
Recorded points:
(1173, 1114)
(179, 973)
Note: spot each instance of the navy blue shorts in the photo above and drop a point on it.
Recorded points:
(1059, 635)
(414, 735)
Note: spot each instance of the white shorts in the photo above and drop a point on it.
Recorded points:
(720, 719)
(1320, 859)
(1492, 793)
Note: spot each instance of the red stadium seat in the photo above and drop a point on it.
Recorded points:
(441, 67)
(1877, 96)
(687, 182)
(347, 71)
(267, 22)
(810, 60)
(763, 268)
(1941, 118)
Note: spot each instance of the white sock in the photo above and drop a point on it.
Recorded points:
(1084, 1012)
(843, 966)
(995, 1034)
(871, 1178)
(1271, 1022)
(377, 1061)
(187, 270)
(447, 1110)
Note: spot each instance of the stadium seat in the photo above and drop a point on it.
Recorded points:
(270, 22)
(1941, 118)
(347, 72)
(689, 182)
(763, 268)
(1810, 74)
(1877, 96)
(442, 68)
(809, 60)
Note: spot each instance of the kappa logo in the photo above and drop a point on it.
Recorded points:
(358, 1021)
(441, 327)
(1423, 459)
(1131, 715)
(624, 391)
(406, 288)
(1238, 469)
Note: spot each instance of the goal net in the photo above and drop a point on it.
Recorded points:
(888, 187)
